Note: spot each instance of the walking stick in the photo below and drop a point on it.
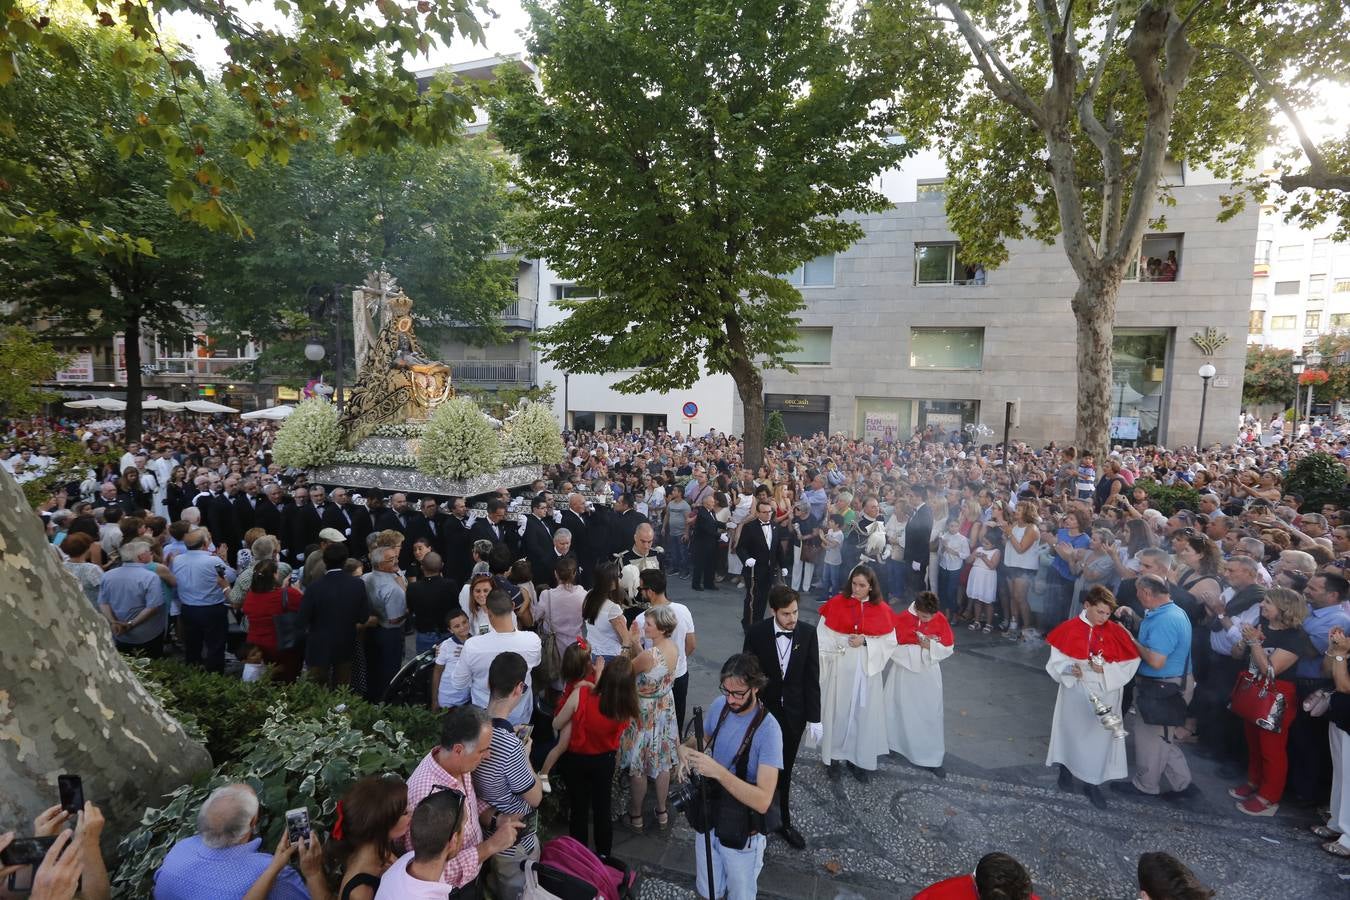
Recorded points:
(703, 800)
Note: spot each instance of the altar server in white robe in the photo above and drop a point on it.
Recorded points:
(1089, 655)
(856, 634)
(914, 724)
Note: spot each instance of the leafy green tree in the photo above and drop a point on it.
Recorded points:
(70, 162)
(1064, 125)
(26, 362)
(280, 75)
(434, 217)
(678, 154)
(774, 429)
(1268, 377)
(1335, 350)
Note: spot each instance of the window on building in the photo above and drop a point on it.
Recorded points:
(1290, 252)
(1312, 321)
(946, 348)
(1340, 320)
(1287, 287)
(1173, 172)
(1257, 323)
(1317, 285)
(573, 292)
(1342, 286)
(814, 344)
(1263, 252)
(1283, 323)
(818, 272)
(1159, 259)
(931, 188)
(942, 264)
(1321, 247)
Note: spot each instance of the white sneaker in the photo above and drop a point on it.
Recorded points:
(544, 785)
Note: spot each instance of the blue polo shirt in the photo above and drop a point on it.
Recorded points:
(1318, 626)
(766, 747)
(1166, 630)
(193, 871)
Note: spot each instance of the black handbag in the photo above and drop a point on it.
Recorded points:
(1159, 702)
(289, 625)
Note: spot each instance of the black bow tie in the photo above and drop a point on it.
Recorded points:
(784, 634)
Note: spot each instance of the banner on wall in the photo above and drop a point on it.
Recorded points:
(80, 370)
(1125, 428)
(120, 358)
(880, 426)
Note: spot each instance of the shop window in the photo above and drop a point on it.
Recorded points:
(1139, 370)
(946, 348)
(813, 347)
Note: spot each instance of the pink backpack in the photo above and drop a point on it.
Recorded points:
(571, 857)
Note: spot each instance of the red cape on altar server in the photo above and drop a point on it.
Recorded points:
(1076, 639)
(908, 628)
(848, 616)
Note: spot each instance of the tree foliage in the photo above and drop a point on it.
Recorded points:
(680, 153)
(279, 75)
(1318, 478)
(1064, 121)
(26, 362)
(1268, 377)
(1335, 350)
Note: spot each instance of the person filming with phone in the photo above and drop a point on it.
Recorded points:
(742, 757)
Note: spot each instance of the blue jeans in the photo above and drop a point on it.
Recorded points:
(948, 581)
(735, 872)
(428, 639)
(677, 555)
(829, 579)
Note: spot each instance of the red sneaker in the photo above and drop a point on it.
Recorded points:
(1257, 806)
(1242, 792)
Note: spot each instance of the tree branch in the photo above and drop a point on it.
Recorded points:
(1319, 181)
(1003, 83)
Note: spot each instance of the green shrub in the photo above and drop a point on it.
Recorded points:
(775, 431)
(1318, 478)
(296, 760)
(228, 714)
(1167, 500)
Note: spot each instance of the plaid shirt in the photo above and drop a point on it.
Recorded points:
(462, 868)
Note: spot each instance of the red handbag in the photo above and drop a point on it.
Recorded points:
(1257, 700)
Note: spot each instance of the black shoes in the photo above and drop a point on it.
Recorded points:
(832, 770)
(1129, 790)
(1189, 792)
(1065, 780)
(1094, 794)
(793, 837)
(860, 774)
(938, 772)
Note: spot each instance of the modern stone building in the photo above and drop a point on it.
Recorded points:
(899, 333)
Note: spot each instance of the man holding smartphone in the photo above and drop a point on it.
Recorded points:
(505, 779)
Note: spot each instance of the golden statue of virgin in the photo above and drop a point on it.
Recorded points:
(397, 382)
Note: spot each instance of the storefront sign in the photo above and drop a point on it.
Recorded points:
(80, 370)
(1125, 428)
(880, 426)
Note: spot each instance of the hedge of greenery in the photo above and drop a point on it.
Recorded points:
(1318, 478)
(1168, 499)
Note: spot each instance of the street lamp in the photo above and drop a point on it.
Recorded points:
(1314, 359)
(314, 352)
(1297, 367)
(1206, 373)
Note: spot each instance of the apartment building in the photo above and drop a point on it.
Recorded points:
(1300, 284)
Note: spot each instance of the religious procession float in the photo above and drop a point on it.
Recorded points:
(403, 428)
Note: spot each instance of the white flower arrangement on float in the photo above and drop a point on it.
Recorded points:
(532, 435)
(377, 460)
(309, 437)
(459, 442)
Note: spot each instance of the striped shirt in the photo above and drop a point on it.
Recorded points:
(504, 776)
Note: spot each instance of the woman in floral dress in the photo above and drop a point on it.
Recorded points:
(649, 748)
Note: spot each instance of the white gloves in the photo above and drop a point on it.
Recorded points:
(814, 732)
(914, 566)
(784, 572)
(557, 516)
(750, 563)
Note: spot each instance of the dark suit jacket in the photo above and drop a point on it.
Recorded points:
(706, 528)
(456, 545)
(299, 527)
(360, 525)
(420, 527)
(387, 520)
(244, 513)
(918, 534)
(332, 608)
(537, 545)
(622, 527)
(218, 517)
(506, 533)
(267, 517)
(581, 543)
(769, 557)
(794, 700)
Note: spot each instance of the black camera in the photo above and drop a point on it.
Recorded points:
(685, 794)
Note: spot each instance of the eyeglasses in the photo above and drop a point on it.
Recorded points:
(735, 695)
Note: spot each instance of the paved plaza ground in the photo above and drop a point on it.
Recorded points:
(907, 829)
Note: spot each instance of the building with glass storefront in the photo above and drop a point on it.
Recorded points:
(899, 334)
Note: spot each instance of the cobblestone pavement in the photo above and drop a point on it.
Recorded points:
(906, 829)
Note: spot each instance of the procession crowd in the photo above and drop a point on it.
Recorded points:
(558, 653)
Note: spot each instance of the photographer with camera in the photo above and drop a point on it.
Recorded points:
(734, 807)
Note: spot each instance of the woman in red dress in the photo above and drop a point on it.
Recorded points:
(265, 600)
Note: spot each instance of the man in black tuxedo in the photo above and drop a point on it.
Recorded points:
(382, 518)
(790, 657)
(267, 510)
(918, 534)
(577, 521)
(245, 503)
(352, 520)
(760, 549)
(623, 524)
(457, 542)
(495, 528)
(218, 516)
(537, 541)
(429, 524)
(296, 520)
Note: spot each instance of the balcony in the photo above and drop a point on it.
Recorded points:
(485, 373)
(203, 366)
(517, 315)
